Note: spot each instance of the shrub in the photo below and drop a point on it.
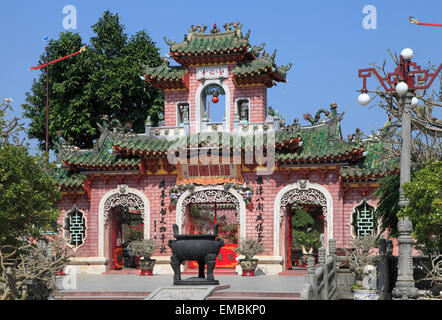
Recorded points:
(249, 248)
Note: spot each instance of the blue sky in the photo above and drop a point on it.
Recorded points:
(325, 41)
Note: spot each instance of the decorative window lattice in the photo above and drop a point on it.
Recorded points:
(363, 220)
(75, 227)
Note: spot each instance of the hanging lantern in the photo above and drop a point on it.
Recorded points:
(214, 91)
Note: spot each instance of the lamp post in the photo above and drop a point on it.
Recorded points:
(404, 81)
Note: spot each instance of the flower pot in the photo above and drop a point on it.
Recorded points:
(248, 266)
(146, 267)
(366, 294)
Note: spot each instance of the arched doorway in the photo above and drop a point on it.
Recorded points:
(198, 210)
(124, 215)
(214, 111)
(126, 225)
(213, 99)
(305, 225)
(315, 200)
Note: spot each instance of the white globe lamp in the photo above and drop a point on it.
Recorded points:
(363, 99)
(407, 54)
(414, 101)
(401, 88)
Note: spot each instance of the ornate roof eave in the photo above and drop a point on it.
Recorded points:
(100, 167)
(253, 80)
(209, 59)
(170, 84)
(344, 158)
(371, 177)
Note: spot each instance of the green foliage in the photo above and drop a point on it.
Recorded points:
(132, 233)
(303, 230)
(424, 210)
(143, 248)
(28, 195)
(249, 248)
(104, 79)
(361, 255)
(388, 195)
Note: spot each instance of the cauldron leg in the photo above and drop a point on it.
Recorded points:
(210, 260)
(201, 266)
(175, 263)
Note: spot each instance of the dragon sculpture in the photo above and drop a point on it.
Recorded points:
(331, 115)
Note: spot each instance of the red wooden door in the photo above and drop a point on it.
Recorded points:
(117, 241)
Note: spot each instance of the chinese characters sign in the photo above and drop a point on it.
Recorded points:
(206, 174)
(212, 72)
(162, 224)
(259, 209)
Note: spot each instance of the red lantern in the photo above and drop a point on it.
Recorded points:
(215, 99)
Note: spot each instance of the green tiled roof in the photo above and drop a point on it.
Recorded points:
(102, 158)
(259, 66)
(378, 162)
(166, 72)
(314, 144)
(142, 145)
(65, 179)
(319, 143)
(211, 43)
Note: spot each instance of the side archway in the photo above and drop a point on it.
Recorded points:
(123, 196)
(301, 192)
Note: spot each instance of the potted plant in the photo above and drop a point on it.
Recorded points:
(131, 233)
(145, 249)
(360, 259)
(249, 248)
(304, 234)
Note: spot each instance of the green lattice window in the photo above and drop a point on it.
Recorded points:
(364, 222)
(75, 228)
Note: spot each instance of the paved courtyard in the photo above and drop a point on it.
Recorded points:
(133, 282)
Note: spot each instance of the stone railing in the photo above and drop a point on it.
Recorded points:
(244, 128)
(165, 132)
(321, 281)
(271, 123)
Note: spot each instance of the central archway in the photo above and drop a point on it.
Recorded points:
(212, 194)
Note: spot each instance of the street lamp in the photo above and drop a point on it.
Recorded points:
(404, 81)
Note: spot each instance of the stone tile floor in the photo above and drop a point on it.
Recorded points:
(135, 282)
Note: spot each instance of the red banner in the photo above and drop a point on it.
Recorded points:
(225, 259)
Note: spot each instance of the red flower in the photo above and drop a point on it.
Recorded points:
(131, 227)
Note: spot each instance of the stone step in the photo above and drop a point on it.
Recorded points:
(101, 295)
(228, 295)
(228, 271)
(299, 272)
